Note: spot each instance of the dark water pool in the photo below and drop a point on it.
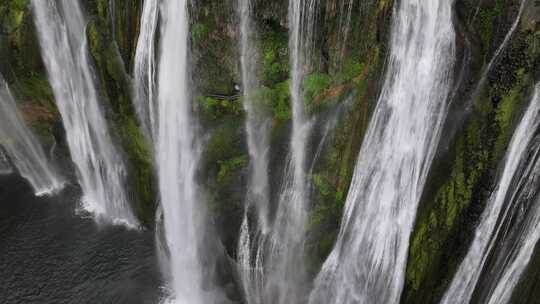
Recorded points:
(48, 254)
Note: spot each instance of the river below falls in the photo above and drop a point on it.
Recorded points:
(50, 254)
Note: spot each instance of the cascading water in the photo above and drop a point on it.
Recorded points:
(500, 49)
(345, 12)
(23, 148)
(257, 129)
(5, 166)
(367, 264)
(508, 36)
(177, 158)
(100, 168)
(285, 273)
(144, 71)
(519, 243)
(501, 204)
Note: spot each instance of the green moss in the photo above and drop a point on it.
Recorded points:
(139, 157)
(508, 110)
(332, 179)
(504, 112)
(439, 237)
(115, 86)
(273, 47)
(11, 15)
(35, 89)
(465, 177)
(315, 84)
(351, 69)
(230, 167)
(19, 4)
(223, 167)
(322, 185)
(224, 143)
(533, 41)
(486, 21)
(216, 109)
(12, 21)
(282, 106)
(199, 32)
(43, 129)
(215, 53)
(470, 163)
(209, 106)
(275, 100)
(115, 65)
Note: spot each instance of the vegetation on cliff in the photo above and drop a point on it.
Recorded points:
(340, 92)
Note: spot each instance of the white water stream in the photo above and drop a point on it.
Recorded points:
(466, 279)
(367, 264)
(145, 70)
(23, 148)
(177, 159)
(285, 280)
(257, 129)
(100, 168)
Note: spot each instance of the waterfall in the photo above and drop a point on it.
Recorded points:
(257, 129)
(23, 149)
(499, 50)
(506, 38)
(177, 158)
(498, 209)
(367, 264)
(284, 259)
(5, 166)
(345, 13)
(144, 70)
(100, 168)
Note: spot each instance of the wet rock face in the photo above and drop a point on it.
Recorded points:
(464, 174)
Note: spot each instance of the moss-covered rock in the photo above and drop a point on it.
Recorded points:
(464, 175)
(111, 41)
(21, 65)
(11, 15)
(347, 96)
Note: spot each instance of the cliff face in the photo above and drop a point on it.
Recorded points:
(479, 128)
(340, 92)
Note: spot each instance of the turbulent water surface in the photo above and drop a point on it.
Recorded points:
(50, 255)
